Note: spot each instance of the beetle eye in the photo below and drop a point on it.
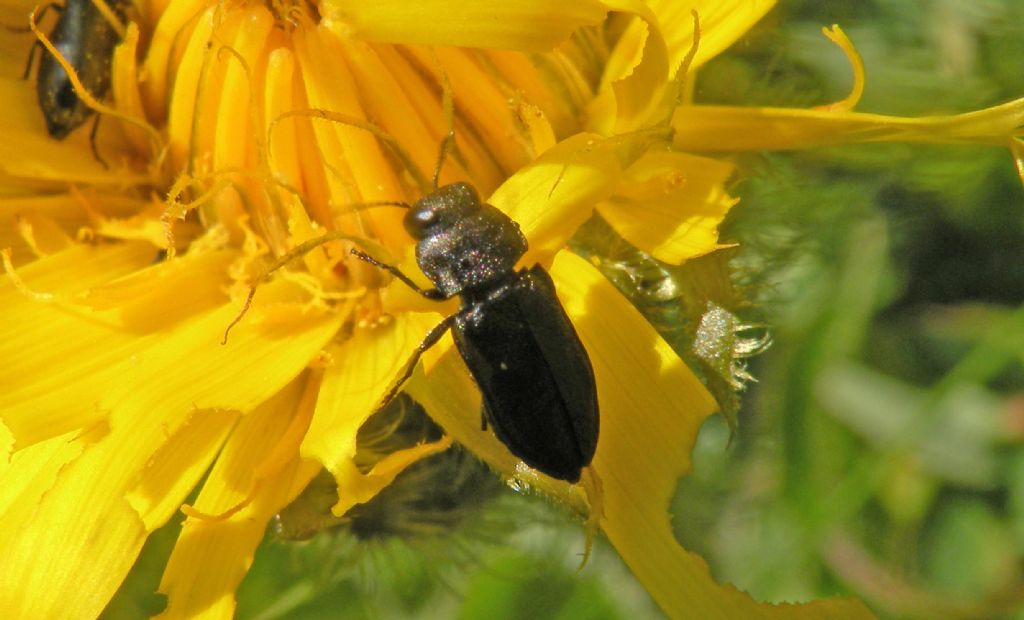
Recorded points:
(418, 220)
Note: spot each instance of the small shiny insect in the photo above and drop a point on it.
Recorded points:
(86, 39)
(536, 380)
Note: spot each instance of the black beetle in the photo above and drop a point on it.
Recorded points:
(86, 39)
(537, 383)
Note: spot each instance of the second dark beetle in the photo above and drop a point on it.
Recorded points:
(84, 36)
(536, 380)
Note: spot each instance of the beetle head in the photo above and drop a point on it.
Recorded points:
(441, 209)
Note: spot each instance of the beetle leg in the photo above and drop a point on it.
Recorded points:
(92, 142)
(31, 57)
(36, 45)
(429, 293)
(594, 490)
(485, 415)
(432, 338)
(53, 5)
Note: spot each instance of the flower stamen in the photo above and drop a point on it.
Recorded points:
(20, 284)
(298, 251)
(837, 36)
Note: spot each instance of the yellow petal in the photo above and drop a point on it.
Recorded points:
(528, 25)
(234, 142)
(124, 86)
(542, 134)
(28, 153)
(355, 487)
(161, 380)
(364, 368)
(487, 109)
(179, 464)
(6, 449)
(14, 45)
(211, 557)
(21, 219)
(637, 72)
(57, 377)
(240, 472)
(184, 138)
(31, 472)
(78, 355)
(652, 407)
(722, 22)
(555, 194)
(278, 98)
(145, 224)
(43, 235)
(725, 128)
(837, 36)
(652, 49)
(671, 204)
(353, 152)
(99, 535)
(60, 209)
(482, 128)
(174, 26)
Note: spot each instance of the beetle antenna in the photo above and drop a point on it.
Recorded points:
(448, 107)
(343, 119)
(363, 206)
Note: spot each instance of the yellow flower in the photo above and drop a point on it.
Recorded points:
(239, 131)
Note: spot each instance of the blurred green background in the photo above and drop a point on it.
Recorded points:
(879, 452)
